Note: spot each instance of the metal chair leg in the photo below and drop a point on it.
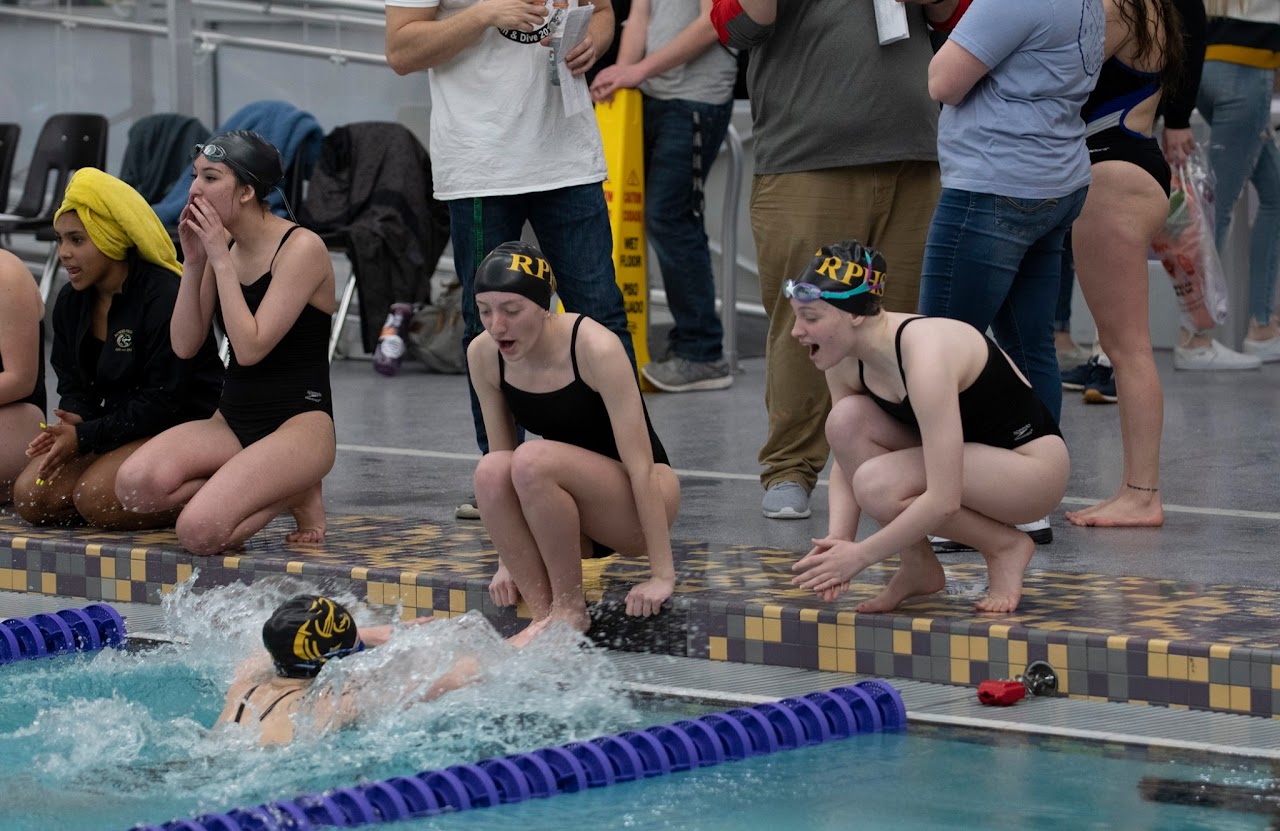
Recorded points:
(344, 307)
(51, 266)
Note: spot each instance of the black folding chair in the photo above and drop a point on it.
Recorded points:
(67, 142)
(9, 134)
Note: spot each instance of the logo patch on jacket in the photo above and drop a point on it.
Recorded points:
(124, 340)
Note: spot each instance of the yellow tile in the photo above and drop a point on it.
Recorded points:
(1219, 650)
(410, 612)
(718, 648)
(827, 659)
(846, 617)
(1241, 699)
(1058, 658)
(410, 577)
(772, 630)
(457, 600)
(123, 590)
(293, 567)
(809, 615)
(19, 544)
(901, 642)
(960, 647)
(49, 583)
(231, 562)
(1158, 666)
(1157, 645)
(1117, 641)
(1198, 669)
(827, 635)
(1000, 630)
(755, 629)
(184, 572)
(391, 593)
(846, 660)
(6, 580)
(422, 594)
(1178, 667)
(846, 636)
(107, 568)
(921, 624)
(360, 573)
(773, 611)
(93, 549)
(1017, 655)
(138, 571)
(978, 648)
(959, 671)
(137, 553)
(1219, 696)
(1275, 677)
(375, 593)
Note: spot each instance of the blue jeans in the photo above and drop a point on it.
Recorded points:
(996, 262)
(681, 142)
(1066, 283)
(1236, 101)
(572, 226)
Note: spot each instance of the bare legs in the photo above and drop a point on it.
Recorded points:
(540, 501)
(19, 424)
(85, 489)
(230, 493)
(1000, 488)
(1111, 265)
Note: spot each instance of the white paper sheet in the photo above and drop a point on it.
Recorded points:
(891, 21)
(573, 91)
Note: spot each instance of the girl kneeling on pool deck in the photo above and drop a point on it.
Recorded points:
(933, 431)
(597, 482)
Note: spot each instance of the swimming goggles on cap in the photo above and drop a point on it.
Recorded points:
(314, 666)
(217, 153)
(808, 292)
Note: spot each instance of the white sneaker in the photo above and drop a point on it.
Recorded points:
(1267, 350)
(1211, 357)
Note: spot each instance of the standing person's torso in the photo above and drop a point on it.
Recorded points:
(1248, 34)
(707, 78)
(824, 92)
(1019, 131)
(497, 123)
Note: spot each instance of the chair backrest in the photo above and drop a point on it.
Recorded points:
(9, 134)
(67, 142)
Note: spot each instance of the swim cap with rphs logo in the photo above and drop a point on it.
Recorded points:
(519, 268)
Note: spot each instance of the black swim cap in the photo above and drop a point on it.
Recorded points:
(520, 268)
(845, 267)
(254, 160)
(305, 632)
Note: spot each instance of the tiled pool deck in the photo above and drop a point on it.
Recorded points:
(1118, 638)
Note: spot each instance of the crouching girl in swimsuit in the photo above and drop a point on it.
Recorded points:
(933, 430)
(272, 440)
(597, 482)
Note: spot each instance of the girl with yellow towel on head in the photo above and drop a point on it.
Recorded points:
(119, 381)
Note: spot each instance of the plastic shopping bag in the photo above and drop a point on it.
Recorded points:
(1186, 246)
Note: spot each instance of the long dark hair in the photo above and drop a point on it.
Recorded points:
(1165, 42)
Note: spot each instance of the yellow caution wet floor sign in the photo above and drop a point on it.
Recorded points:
(622, 130)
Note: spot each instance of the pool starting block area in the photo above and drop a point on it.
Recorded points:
(1140, 640)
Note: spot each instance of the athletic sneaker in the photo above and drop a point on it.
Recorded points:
(786, 500)
(1268, 349)
(1075, 379)
(677, 374)
(1101, 386)
(1213, 356)
(467, 510)
(1040, 531)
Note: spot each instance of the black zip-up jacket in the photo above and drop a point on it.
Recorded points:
(139, 387)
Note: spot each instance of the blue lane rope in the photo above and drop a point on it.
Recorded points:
(70, 630)
(865, 707)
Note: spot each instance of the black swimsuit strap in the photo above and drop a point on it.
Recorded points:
(244, 701)
(273, 704)
(283, 240)
(897, 346)
(573, 347)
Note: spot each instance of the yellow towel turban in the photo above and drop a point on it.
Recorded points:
(118, 218)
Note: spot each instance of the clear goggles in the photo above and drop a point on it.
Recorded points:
(808, 292)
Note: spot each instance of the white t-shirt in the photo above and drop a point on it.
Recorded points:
(497, 124)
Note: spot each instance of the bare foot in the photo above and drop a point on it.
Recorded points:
(308, 512)
(576, 617)
(1005, 567)
(924, 577)
(521, 639)
(1141, 510)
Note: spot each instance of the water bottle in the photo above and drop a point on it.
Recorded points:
(559, 8)
(390, 350)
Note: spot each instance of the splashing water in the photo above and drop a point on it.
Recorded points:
(117, 738)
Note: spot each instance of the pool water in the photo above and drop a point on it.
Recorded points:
(110, 740)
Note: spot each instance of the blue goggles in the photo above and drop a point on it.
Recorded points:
(808, 292)
(313, 667)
